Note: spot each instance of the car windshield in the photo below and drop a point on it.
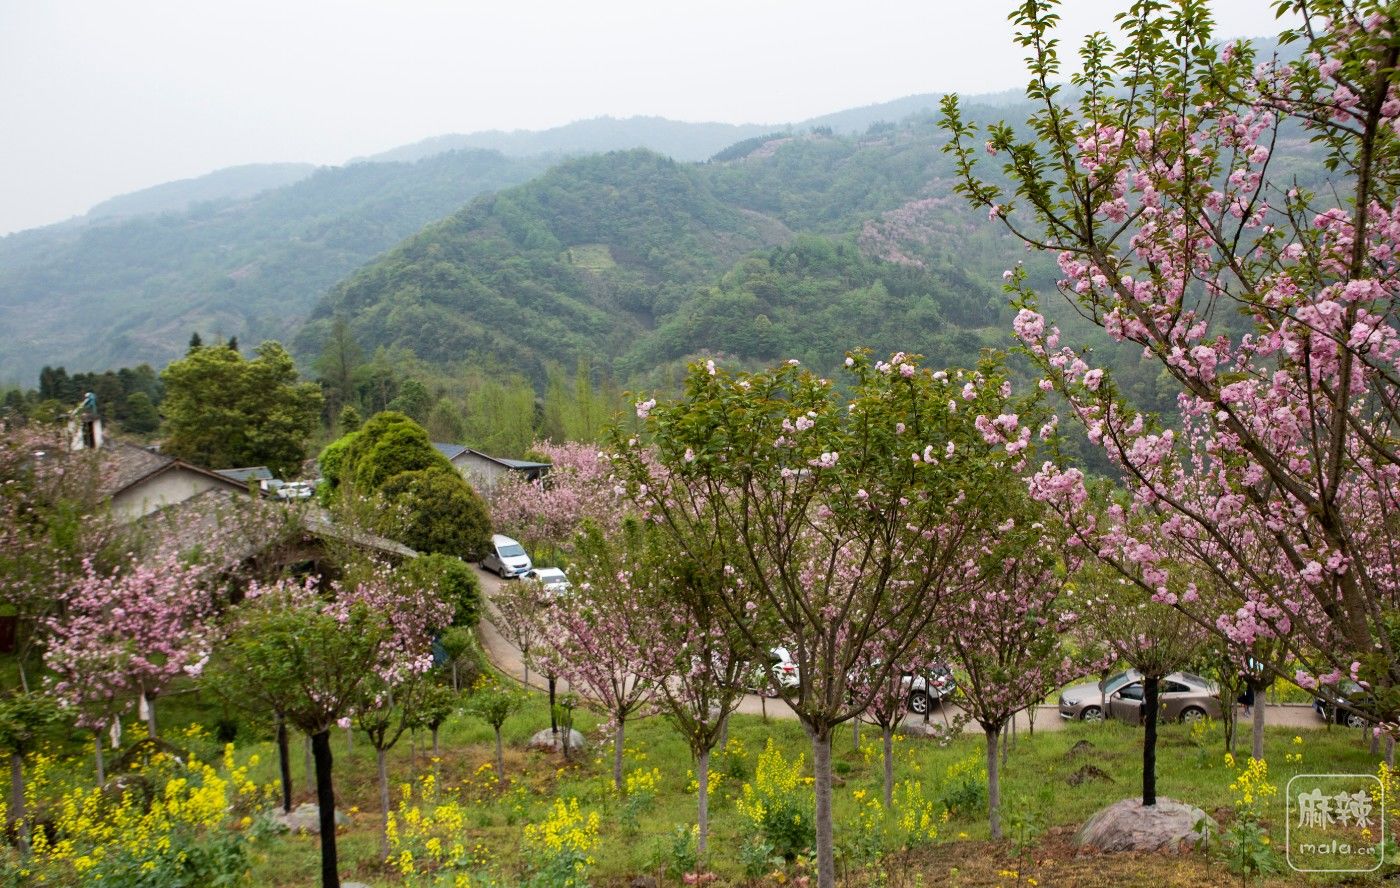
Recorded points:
(1113, 682)
(511, 551)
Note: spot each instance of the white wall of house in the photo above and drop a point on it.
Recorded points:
(166, 489)
(482, 473)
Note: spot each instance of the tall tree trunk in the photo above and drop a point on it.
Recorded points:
(456, 688)
(1390, 752)
(284, 759)
(889, 767)
(1149, 741)
(500, 760)
(617, 754)
(763, 705)
(308, 765)
(724, 731)
(1375, 743)
(993, 781)
(148, 712)
(702, 814)
(436, 751)
(1258, 726)
(553, 715)
(101, 762)
(382, 759)
(325, 800)
(17, 812)
(821, 770)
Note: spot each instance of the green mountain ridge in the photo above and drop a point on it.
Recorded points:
(131, 290)
(799, 246)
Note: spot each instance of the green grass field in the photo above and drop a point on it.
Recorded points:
(636, 836)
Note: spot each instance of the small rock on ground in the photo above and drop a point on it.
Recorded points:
(547, 739)
(306, 818)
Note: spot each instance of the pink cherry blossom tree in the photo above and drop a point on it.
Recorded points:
(1007, 641)
(1148, 636)
(126, 636)
(699, 660)
(51, 525)
(550, 510)
(599, 635)
(1163, 189)
(839, 516)
(888, 701)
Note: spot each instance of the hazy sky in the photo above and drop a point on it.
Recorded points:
(99, 98)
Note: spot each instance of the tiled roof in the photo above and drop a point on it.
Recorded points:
(226, 528)
(452, 451)
(122, 465)
(253, 473)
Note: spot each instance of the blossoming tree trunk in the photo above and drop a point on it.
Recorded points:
(821, 784)
(17, 813)
(1149, 740)
(284, 761)
(381, 756)
(889, 768)
(702, 814)
(325, 801)
(617, 754)
(993, 781)
(1258, 716)
(97, 757)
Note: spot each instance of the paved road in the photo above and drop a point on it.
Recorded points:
(507, 658)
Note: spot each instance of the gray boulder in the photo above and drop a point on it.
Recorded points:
(306, 818)
(548, 740)
(1129, 826)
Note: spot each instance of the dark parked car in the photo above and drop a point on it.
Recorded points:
(1328, 710)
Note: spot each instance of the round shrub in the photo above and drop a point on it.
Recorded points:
(456, 582)
(436, 510)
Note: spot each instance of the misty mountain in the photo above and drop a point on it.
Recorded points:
(682, 141)
(122, 291)
(230, 183)
(799, 246)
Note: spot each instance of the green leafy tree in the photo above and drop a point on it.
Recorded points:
(24, 719)
(141, 417)
(349, 420)
(840, 517)
(413, 400)
(493, 702)
(222, 410)
(406, 488)
(436, 510)
(455, 581)
(341, 357)
(313, 660)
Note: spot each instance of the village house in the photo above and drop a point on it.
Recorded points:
(484, 471)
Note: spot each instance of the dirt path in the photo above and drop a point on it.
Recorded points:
(507, 658)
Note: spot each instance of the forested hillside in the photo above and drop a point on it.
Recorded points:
(791, 246)
(578, 262)
(131, 290)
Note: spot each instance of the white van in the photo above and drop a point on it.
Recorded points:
(507, 558)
